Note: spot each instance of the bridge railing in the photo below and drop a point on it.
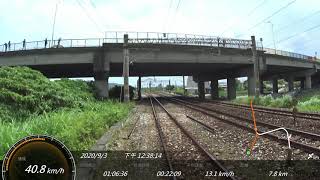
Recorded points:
(134, 37)
(288, 54)
(148, 38)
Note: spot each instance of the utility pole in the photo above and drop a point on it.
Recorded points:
(126, 68)
(256, 73)
(54, 23)
(274, 42)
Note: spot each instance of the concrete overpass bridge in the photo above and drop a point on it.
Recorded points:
(206, 58)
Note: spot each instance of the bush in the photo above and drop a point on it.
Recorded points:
(24, 91)
(180, 91)
(80, 90)
(170, 87)
(116, 90)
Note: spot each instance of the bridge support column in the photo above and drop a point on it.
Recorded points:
(139, 88)
(275, 87)
(214, 85)
(251, 85)
(231, 88)
(101, 69)
(201, 90)
(290, 83)
(101, 84)
(302, 84)
(261, 86)
(308, 82)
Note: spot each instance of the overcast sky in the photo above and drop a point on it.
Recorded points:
(296, 23)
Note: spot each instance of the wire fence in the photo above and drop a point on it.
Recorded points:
(147, 38)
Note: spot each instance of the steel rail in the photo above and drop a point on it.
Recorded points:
(295, 144)
(186, 132)
(161, 135)
(292, 131)
(311, 116)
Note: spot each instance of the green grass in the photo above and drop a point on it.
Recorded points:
(306, 101)
(242, 92)
(222, 93)
(312, 105)
(77, 128)
(180, 91)
(32, 104)
(281, 102)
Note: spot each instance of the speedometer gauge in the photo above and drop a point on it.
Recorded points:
(38, 157)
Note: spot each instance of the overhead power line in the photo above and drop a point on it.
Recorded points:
(258, 6)
(89, 16)
(175, 13)
(273, 14)
(297, 34)
(167, 17)
(250, 12)
(298, 21)
(177, 6)
(98, 14)
(270, 16)
(312, 41)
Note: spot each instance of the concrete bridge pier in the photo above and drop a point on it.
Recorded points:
(275, 87)
(261, 86)
(101, 70)
(302, 84)
(308, 82)
(101, 84)
(231, 88)
(290, 83)
(214, 85)
(201, 90)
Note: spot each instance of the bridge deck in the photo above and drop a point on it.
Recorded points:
(148, 38)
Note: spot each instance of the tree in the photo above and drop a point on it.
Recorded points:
(245, 85)
(169, 87)
(238, 84)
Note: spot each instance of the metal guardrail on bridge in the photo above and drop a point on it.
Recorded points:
(134, 37)
(288, 54)
(146, 38)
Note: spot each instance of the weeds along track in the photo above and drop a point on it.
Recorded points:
(178, 143)
(300, 140)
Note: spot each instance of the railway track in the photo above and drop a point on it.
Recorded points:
(226, 117)
(213, 159)
(283, 112)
